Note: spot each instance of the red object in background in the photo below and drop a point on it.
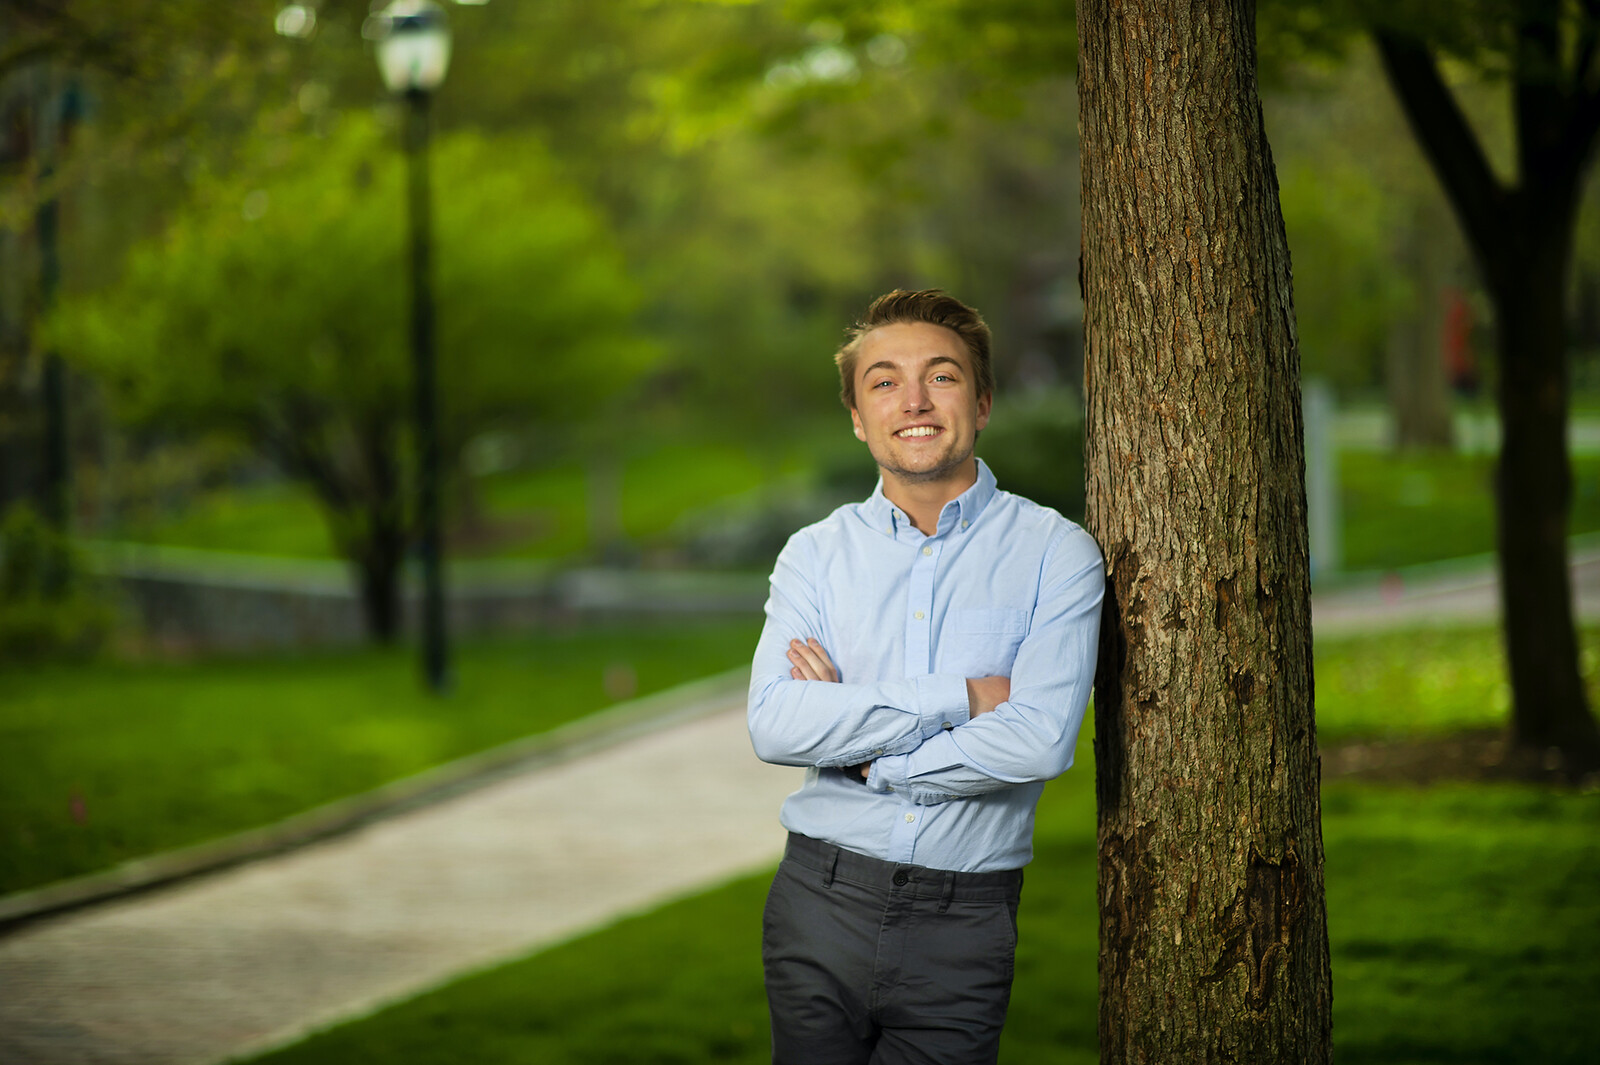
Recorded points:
(1455, 343)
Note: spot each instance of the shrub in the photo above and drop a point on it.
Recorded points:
(48, 609)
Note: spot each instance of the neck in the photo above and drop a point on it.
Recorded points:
(923, 501)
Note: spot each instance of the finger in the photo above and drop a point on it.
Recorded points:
(802, 668)
(816, 668)
(816, 660)
(831, 671)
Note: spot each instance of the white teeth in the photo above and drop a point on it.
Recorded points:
(918, 430)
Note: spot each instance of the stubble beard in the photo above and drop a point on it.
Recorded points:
(928, 476)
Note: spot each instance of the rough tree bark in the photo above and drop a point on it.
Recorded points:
(1521, 238)
(1213, 931)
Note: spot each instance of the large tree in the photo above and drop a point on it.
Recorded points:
(1520, 229)
(1213, 931)
(272, 310)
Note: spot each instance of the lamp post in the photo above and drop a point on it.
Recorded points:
(413, 55)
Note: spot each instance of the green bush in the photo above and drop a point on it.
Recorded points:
(47, 608)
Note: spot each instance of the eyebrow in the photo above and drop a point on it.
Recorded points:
(935, 361)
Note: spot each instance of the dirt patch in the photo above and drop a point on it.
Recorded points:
(1486, 754)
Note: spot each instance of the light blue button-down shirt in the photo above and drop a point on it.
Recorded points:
(1004, 587)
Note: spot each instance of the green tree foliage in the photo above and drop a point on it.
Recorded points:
(1347, 295)
(273, 309)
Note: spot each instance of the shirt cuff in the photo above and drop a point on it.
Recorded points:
(942, 699)
(888, 773)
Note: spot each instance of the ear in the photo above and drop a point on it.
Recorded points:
(855, 420)
(984, 403)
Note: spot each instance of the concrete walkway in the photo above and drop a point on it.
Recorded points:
(1465, 592)
(258, 955)
(255, 956)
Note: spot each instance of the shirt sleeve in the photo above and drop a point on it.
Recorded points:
(818, 723)
(1031, 736)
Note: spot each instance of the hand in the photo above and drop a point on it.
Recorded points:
(811, 662)
(986, 693)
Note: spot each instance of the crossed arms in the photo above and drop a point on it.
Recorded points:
(811, 662)
(932, 737)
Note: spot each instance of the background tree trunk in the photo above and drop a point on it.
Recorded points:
(1521, 238)
(1419, 396)
(1213, 931)
(1533, 500)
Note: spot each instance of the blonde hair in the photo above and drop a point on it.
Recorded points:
(932, 306)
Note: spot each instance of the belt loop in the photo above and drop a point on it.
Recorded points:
(949, 891)
(833, 862)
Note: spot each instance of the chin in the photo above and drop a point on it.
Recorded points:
(936, 471)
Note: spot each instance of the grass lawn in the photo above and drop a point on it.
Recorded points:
(533, 513)
(1401, 510)
(274, 518)
(114, 761)
(1389, 685)
(1464, 922)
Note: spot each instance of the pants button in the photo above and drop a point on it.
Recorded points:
(901, 878)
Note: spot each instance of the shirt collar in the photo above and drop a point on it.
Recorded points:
(961, 512)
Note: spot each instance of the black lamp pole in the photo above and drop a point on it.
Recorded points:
(413, 55)
(435, 650)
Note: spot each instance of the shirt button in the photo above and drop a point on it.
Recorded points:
(963, 525)
(927, 550)
(910, 818)
(901, 878)
(878, 751)
(918, 615)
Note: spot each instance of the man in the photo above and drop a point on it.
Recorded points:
(928, 655)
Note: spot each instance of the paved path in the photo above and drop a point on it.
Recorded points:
(255, 956)
(252, 957)
(1443, 594)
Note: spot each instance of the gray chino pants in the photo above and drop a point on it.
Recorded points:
(873, 963)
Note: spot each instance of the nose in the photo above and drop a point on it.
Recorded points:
(916, 398)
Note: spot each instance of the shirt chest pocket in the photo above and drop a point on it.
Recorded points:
(982, 641)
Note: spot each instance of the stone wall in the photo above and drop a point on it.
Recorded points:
(217, 602)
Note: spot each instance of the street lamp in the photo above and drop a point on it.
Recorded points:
(413, 55)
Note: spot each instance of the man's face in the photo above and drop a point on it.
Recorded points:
(917, 403)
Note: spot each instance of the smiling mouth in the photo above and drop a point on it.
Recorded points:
(919, 430)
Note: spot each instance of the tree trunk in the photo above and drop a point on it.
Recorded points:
(1521, 239)
(1213, 930)
(1532, 501)
(382, 521)
(360, 490)
(1413, 367)
(378, 577)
